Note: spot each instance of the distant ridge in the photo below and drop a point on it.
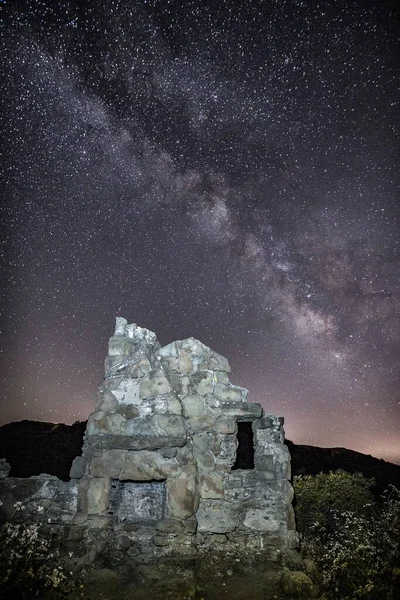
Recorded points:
(34, 447)
(310, 460)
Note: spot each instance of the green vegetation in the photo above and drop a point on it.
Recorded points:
(321, 496)
(354, 543)
(29, 567)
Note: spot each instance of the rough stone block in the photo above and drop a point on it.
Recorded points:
(174, 359)
(168, 351)
(111, 383)
(172, 404)
(216, 517)
(264, 440)
(145, 466)
(218, 363)
(169, 452)
(101, 423)
(258, 502)
(241, 410)
(100, 522)
(219, 538)
(162, 404)
(111, 364)
(233, 481)
(292, 539)
(193, 405)
(228, 392)
(270, 435)
(76, 468)
(290, 518)
(215, 441)
(139, 369)
(169, 425)
(221, 377)
(201, 449)
(154, 383)
(119, 345)
(296, 584)
(182, 496)
(150, 441)
(109, 463)
(191, 525)
(176, 382)
(82, 501)
(128, 392)
(98, 495)
(170, 526)
(277, 422)
(282, 461)
(263, 462)
(211, 485)
(226, 447)
(128, 411)
(120, 326)
(139, 428)
(94, 424)
(201, 423)
(185, 456)
(203, 382)
(266, 475)
(289, 471)
(123, 541)
(258, 520)
(288, 492)
(226, 426)
(106, 401)
(249, 478)
(263, 423)
(160, 540)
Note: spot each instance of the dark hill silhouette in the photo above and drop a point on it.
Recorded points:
(33, 447)
(310, 460)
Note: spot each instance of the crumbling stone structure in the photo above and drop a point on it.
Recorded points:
(177, 468)
(163, 459)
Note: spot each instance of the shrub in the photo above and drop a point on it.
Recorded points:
(29, 568)
(358, 553)
(318, 497)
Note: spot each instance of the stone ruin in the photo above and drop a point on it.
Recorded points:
(165, 453)
(176, 464)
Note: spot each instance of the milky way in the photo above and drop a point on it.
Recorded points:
(221, 170)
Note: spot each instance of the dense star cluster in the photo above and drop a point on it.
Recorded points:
(223, 170)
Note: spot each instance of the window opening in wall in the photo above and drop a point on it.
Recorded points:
(245, 449)
(136, 501)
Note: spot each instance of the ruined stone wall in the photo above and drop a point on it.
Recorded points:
(38, 499)
(159, 452)
(155, 481)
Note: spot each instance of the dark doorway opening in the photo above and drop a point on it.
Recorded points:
(245, 449)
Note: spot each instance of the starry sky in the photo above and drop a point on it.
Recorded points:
(223, 170)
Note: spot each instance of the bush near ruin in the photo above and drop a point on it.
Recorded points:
(354, 543)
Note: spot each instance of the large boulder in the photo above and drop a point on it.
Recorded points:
(296, 584)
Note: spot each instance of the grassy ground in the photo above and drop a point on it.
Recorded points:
(107, 586)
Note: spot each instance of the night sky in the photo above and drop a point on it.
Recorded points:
(207, 168)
